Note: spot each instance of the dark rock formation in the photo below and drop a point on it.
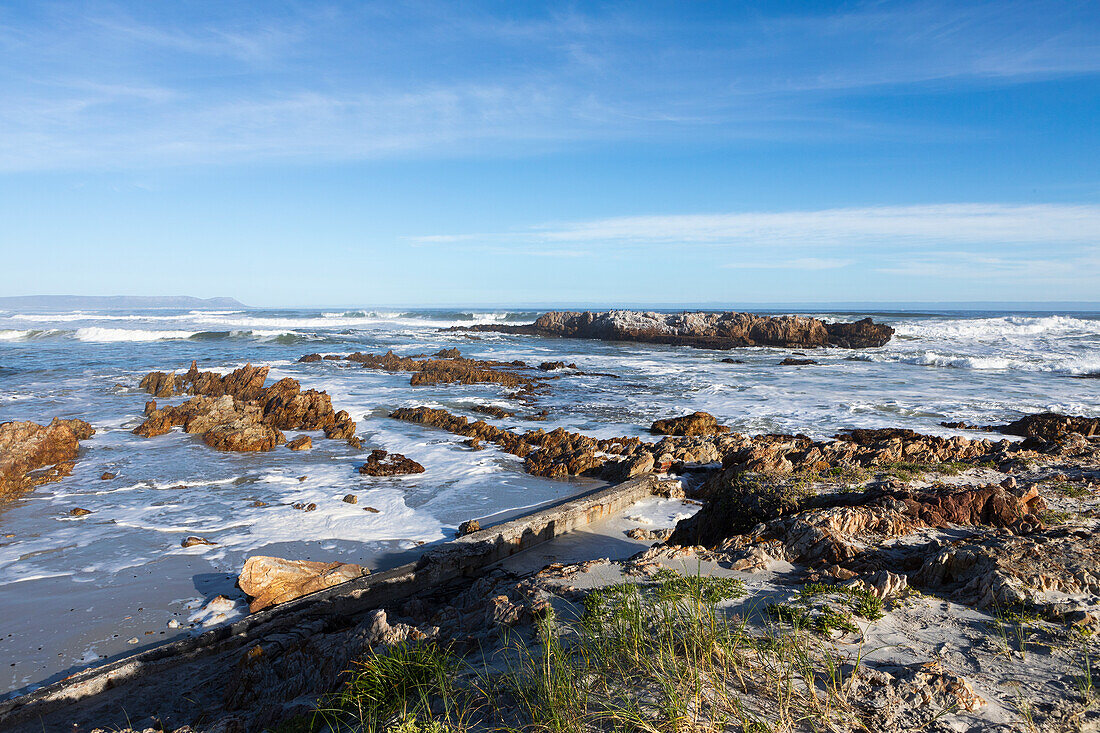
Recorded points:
(1050, 426)
(33, 454)
(704, 330)
(380, 463)
(791, 361)
(697, 423)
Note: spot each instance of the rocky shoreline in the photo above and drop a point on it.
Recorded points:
(725, 330)
(864, 539)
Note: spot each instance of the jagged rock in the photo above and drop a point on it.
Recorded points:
(380, 463)
(450, 370)
(468, 527)
(33, 454)
(161, 384)
(448, 354)
(310, 358)
(236, 412)
(272, 580)
(242, 435)
(79, 512)
(911, 697)
(106, 476)
(550, 366)
(697, 423)
(350, 499)
(302, 442)
(704, 330)
(304, 507)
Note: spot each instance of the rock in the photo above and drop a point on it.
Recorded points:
(302, 442)
(310, 358)
(257, 503)
(1050, 426)
(649, 535)
(305, 507)
(737, 502)
(236, 412)
(272, 580)
(550, 366)
(242, 435)
(493, 411)
(371, 509)
(732, 361)
(193, 540)
(790, 361)
(79, 512)
(468, 527)
(33, 454)
(351, 499)
(697, 423)
(106, 476)
(380, 463)
(161, 384)
(455, 370)
(704, 330)
(448, 354)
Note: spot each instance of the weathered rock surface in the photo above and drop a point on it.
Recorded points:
(272, 580)
(380, 463)
(33, 454)
(235, 412)
(449, 367)
(556, 454)
(697, 423)
(704, 330)
(302, 442)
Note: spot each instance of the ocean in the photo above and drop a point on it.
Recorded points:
(77, 591)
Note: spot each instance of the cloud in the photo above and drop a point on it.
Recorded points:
(798, 263)
(103, 88)
(973, 223)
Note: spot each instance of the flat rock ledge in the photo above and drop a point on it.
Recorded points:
(725, 330)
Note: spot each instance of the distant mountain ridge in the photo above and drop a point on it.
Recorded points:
(116, 302)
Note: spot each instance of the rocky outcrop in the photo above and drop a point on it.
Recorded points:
(740, 502)
(555, 454)
(236, 412)
(449, 367)
(272, 580)
(704, 330)
(380, 463)
(1050, 426)
(33, 454)
(697, 423)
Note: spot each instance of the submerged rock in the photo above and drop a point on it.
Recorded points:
(33, 454)
(705, 330)
(272, 580)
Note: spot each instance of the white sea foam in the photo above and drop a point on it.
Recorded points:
(13, 335)
(99, 334)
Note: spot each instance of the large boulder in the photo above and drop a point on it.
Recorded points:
(33, 454)
(697, 423)
(272, 580)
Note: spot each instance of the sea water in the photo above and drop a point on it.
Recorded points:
(76, 591)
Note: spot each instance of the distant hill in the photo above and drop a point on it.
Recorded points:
(116, 302)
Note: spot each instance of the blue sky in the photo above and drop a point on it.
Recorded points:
(502, 152)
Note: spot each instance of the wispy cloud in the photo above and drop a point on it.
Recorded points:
(974, 223)
(346, 81)
(796, 263)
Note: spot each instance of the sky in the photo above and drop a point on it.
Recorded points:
(472, 153)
